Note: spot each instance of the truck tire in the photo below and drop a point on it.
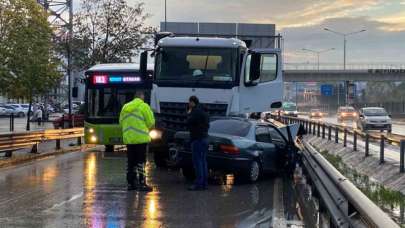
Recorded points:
(188, 173)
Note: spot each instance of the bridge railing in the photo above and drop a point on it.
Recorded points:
(337, 66)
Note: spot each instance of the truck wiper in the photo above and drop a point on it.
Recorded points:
(205, 71)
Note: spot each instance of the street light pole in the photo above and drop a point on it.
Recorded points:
(345, 35)
(318, 53)
(344, 52)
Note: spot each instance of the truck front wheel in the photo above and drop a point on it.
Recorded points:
(159, 158)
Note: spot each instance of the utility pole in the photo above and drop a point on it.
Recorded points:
(165, 15)
(61, 19)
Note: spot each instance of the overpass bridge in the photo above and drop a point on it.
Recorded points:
(356, 72)
(377, 75)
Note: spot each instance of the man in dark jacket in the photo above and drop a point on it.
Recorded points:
(198, 125)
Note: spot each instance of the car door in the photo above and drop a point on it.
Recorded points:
(261, 78)
(268, 149)
(280, 143)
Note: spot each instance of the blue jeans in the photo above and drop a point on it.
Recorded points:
(199, 149)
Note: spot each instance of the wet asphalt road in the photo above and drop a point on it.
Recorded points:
(87, 189)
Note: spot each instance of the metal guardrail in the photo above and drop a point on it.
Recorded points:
(325, 130)
(346, 204)
(10, 142)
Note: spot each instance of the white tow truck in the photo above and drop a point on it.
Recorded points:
(226, 76)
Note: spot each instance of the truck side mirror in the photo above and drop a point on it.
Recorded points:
(143, 68)
(255, 64)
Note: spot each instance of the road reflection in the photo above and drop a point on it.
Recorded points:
(89, 208)
(48, 177)
(152, 211)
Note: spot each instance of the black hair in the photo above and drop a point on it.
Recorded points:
(194, 99)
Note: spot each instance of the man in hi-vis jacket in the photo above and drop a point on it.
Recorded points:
(136, 121)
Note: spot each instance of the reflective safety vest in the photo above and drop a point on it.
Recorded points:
(136, 120)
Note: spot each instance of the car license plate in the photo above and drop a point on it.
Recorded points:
(378, 125)
(115, 140)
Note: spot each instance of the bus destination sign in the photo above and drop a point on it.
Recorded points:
(115, 79)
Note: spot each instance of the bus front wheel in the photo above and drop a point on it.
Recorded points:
(109, 148)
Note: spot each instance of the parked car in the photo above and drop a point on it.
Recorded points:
(63, 121)
(346, 113)
(9, 110)
(22, 109)
(3, 111)
(374, 118)
(315, 113)
(242, 146)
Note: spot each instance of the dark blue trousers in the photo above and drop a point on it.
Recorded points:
(199, 149)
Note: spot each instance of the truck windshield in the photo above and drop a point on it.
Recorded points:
(196, 64)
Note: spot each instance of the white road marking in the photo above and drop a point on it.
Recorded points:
(74, 197)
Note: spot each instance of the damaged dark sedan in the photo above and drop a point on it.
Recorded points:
(247, 148)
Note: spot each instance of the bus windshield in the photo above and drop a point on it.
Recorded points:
(107, 102)
(197, 64)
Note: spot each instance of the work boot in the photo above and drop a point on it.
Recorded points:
(142, 186)
(132, 184)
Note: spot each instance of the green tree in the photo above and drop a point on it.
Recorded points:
(29, 67)
(108, 31)
(380, 92)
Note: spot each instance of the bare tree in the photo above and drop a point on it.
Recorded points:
(107, 31)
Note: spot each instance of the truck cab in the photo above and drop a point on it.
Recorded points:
(226, 76)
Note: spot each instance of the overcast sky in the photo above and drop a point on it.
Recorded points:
(301, 22)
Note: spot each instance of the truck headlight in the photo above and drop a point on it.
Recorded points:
(93, 139)
(91, 130)
(155, 134)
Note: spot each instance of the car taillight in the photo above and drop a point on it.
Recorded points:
(229, 149)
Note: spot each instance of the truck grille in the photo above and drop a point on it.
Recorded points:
(174, 115)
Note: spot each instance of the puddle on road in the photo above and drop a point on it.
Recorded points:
(392, 202)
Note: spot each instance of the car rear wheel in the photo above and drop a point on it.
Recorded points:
(253, 173)
(188, 173)
(20, 114)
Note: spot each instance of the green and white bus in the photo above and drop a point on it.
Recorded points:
(108, 88)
